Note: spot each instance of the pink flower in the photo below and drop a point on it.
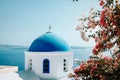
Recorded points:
(116, 65)
(118, 32)
(101, 77)
(95, 51)
(83, 66)
(109, 45)
(97, 39)
(94, 66)
(91, 24)
(102, 18)
(98, 45)
(91, 71)
(96, 48)
(106, 58)
(90, 61)
(76, 70)
(118, 56)
(101, 3)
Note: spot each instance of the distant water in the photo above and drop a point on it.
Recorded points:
(14, 55)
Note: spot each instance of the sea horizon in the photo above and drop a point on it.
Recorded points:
(13, 55)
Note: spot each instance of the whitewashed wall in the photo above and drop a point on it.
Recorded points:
(56, 63)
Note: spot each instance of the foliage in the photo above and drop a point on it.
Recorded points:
(102, 25)
(106, 68)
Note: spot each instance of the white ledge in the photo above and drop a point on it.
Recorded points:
(8, 69)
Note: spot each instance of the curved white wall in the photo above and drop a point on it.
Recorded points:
(56, 63)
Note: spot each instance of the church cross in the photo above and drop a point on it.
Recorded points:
(49, 28)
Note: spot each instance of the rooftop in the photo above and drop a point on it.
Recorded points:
(49, 42)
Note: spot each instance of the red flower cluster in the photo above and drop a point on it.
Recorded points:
(102, 18)
(109, 23)
(106, 68)
(97, 48)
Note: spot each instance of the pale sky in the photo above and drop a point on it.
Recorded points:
(22, 21)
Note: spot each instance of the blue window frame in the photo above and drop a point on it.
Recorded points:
(46, 66)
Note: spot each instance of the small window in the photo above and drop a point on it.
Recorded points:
(64, 68)
(65, 65)
(64, 60)
(46, 66)
(30, 64)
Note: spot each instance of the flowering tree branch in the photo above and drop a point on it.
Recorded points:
(102, 25)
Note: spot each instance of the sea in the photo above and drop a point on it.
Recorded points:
(11, 55)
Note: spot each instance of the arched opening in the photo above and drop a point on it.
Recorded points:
(46, 66)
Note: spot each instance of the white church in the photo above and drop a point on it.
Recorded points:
(50, 57)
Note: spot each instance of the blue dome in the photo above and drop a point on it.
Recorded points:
(49, 42)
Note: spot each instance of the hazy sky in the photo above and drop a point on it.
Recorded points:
(22, 21)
